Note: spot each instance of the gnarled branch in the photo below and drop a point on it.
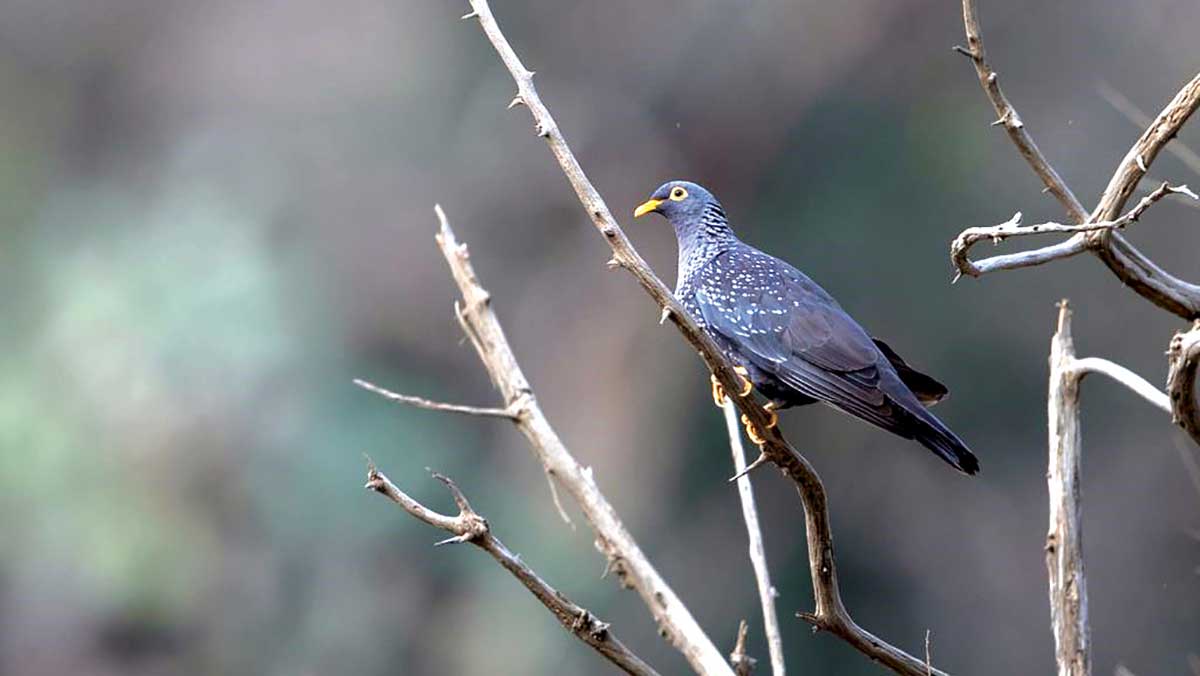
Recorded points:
(469, 526)
(1131, 266)
(830, 614)
(1184, 359)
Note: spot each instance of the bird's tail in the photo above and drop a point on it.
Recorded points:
(935, 436)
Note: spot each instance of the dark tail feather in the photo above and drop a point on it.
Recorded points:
(928, 390)
(938, 438)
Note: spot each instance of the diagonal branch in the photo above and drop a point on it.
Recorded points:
(830, 613)
(960, 247)
(758, 553)
(469, 526)
(625, 557)
(1008, 118)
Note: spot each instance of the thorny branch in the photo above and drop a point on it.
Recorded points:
(1131, 266)
(830, 613)
(758, 552)
(469, 526)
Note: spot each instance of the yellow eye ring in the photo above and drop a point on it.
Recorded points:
(678, 194)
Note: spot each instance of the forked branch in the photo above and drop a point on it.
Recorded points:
(830, 614)
(1131, 266)
(468, 526)
(961, 246)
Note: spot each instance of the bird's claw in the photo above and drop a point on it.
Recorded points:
(747, 386)
(718, 390)
(752, 430)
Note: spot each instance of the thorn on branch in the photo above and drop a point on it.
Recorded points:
(965, 52)
(518, 100)
(469, 15)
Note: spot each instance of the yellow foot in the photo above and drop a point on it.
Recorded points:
(718, 392)
(747, 386)
(752, 430)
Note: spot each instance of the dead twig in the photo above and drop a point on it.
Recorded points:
(469, 526)
(961, 246)
(743, 664)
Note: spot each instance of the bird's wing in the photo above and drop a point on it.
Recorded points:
(793, 329)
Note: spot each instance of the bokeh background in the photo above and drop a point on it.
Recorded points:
(215, 215)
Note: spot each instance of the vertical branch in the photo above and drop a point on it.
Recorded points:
(758, 553)
(1064, 555)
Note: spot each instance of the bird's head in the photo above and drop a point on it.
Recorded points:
(683, 203)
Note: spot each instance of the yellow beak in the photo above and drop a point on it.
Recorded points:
(646, 207)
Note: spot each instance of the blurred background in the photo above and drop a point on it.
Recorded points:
(215, 215)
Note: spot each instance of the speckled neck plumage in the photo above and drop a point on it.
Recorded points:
(699, 241)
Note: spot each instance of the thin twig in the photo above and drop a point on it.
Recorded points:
(1064, 550)
(830, 613)
(961, 246)
(758, 552)
(623, 554)
(743, 664)
(928, 658)
(420, 402)
(469, 526)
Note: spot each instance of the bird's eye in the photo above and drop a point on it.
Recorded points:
(678, 194)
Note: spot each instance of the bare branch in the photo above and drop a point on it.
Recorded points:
(960, 247)
(1184, 358)
(1007, 115)
(612, 538)
(435, 405)
(830, 614)
(469, 526)
(1141, 120)
(743, 664)
(1131, 266)
(1137, 384)
(1064, 550)
(758, 553)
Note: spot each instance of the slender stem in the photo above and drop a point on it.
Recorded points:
(758, 553)
(434, 405)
